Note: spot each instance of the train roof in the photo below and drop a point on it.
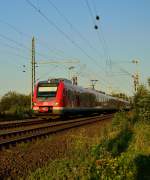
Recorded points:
(55, 80)
(69, 84)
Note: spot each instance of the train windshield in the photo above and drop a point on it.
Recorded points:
(47, 90)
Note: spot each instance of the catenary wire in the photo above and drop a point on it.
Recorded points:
(73, 27)
(62, 32)
(19, 44)
(98, 34)
(59, 53)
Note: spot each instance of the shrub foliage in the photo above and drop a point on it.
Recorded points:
(15, 104)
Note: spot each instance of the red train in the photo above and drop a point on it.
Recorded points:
(60, 97)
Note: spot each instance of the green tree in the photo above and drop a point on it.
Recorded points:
(12, 101)
(148, 82)
(141, 103)
(121, 95)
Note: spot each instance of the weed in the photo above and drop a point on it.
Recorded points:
(143, 167)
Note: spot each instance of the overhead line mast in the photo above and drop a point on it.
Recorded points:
(33, 69)
(136, 76)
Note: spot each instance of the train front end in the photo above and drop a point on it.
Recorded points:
(47, 97)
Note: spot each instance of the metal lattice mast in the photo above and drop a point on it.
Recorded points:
(136, 76)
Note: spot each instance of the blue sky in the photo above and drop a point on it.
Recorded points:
(123, 35)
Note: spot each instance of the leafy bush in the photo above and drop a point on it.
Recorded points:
(119, 144)
(142, 104)
(120, 121)
(142, 163)
(108, 167)
(13, 104)
(141, 138)
(12, 100)
(125, 156)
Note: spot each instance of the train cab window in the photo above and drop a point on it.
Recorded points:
(47, 91)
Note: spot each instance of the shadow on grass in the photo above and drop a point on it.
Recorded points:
(143, 167)
(119, 144)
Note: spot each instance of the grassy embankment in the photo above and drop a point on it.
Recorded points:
(123, 152)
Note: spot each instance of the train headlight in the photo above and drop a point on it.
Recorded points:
(35, 108)
(34, 104)
(56, 103)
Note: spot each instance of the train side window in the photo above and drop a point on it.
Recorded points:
(101, 98)
(104, 99)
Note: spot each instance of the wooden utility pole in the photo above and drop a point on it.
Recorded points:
(33, 69)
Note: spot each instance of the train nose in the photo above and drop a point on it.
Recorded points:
(45, 109)
(35, 108)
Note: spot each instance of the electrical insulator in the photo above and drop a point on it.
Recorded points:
(96, 27)
(97, 18)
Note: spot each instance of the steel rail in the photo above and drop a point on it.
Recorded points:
(14, 137)
(21, 123)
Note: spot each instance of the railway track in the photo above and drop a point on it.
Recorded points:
(6, 125)
(11, 138)
(21, 123)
